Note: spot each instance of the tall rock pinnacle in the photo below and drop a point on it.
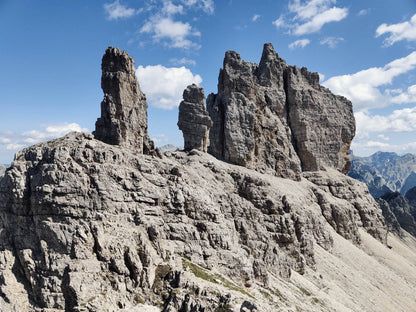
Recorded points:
(123, 118)
(194, 120)
(276, 118)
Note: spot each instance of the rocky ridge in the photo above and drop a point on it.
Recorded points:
(91, 226)
(276, 118)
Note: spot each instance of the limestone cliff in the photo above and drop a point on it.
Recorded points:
(91, 226)
(273, 117)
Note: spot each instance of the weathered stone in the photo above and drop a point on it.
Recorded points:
(123, 118)
(194, 120)
(277, 118)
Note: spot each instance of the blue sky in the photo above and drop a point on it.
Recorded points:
(51, 53)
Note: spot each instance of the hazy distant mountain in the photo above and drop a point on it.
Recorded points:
(169, 148)
(385, 172)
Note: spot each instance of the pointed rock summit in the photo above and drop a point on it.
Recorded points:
(123, 118)
(276, 118)
(194, 120)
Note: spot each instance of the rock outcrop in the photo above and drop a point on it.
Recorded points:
(123, 118)
(90, 226)
(194, 120)
(276, 118)
(403, 210)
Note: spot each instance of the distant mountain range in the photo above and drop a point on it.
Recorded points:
(385, 172)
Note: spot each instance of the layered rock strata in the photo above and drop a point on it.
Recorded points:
(273, 117)
(88, 226)
(123, 118)
(194, 120)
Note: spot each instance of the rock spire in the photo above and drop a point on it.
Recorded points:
(123, 118)
(194, 120)
(276, 118)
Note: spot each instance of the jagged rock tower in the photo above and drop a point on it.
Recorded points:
(276, 118)
(194, 120)
(123, 118)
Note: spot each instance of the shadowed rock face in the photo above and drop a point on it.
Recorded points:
(194, 120)
(277, 118)
(123, 118)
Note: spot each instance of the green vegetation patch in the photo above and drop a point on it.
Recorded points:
(212, 278)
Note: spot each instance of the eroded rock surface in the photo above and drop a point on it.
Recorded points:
(194, 120)
(78, 212)
(273, 117)
(123, 118)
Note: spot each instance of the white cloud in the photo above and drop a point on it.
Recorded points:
(175, 32)
(306, 17)
(206, 5)
(362, 87)
(404, 97)
(318, 21)
(280, 22)
(383, 137)
(164, 86)
(12, 141)
(332, 42)
(299, 43)
(403, 120)
(171, 9)
(255, 17)
(159, 138)
(321, 77)
(182, 61)
(398, 32)
(14, 146)
(117, 11)
(363, 12)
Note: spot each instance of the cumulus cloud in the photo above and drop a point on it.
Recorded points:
(403, 120)
(362, 88)
(164, 86)
(398, 32)
(299, 43)
(117, 11)
(306, 17)
(164, 26)
(174, 33)
(12, 141)
(206, 5)
(332, 42)
(318, 21)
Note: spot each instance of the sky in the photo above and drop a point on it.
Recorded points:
(50, 57)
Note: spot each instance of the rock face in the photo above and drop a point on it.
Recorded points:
(194, 120)
(385, 172)
(273, 117)
(403, 210)
(123, 118)
(90, 226)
